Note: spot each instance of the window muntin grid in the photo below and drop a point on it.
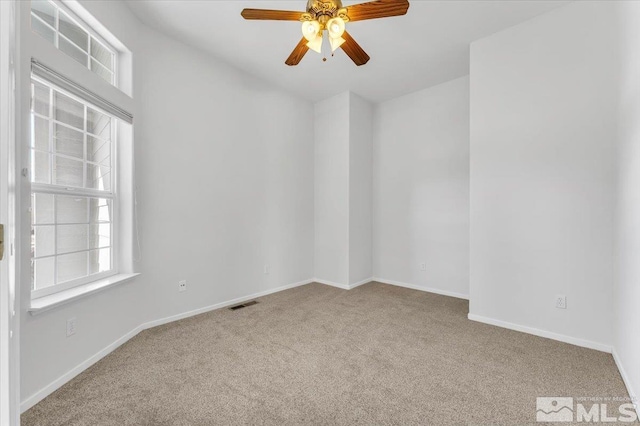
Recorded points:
(72, 151)
(49, 20)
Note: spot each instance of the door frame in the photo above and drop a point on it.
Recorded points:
(9, 312)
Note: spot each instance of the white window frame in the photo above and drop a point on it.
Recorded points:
(83, 192)
(9, 276)
(59, 7)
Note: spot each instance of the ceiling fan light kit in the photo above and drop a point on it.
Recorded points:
(330, 16)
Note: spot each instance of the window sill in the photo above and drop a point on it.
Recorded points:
(45, 303)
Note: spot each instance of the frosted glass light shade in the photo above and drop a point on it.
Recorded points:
(316, 44)
(335, 43)
(310, 30)
(336, 27)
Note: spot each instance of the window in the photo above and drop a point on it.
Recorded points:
(73, 38)
(73, 198)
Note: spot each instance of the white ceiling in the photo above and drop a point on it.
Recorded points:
(428, 46)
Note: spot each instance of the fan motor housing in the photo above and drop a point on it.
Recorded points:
(322, 11)
(324, 8)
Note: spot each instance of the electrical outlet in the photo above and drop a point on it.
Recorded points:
(561, 301)
(423, 266)
(266, 269)
(182, 285)
(71, 326)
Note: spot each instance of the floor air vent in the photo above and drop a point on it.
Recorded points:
(243, 305)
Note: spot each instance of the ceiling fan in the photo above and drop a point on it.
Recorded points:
(329, 15)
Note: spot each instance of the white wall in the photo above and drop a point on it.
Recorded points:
(542, 177)
(343, 174)
(225, 167)
(360, 189)
(332, 189)
(421, 188)
(224, 170)
(627, 242)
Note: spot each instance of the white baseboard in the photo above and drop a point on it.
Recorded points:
(331, 283)
(359, 283)
(395, 283)
(542, 333)
(60, 381)
(421, 288)
(204, 309)
(56, 384)
(342, 286)
(627, 381)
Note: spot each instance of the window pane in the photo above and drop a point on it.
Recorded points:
(100, 235)
(40, 167)
(40, 139)
(72, 238)
(99, 260)
(101, 71)
(71, 50)
(45, 11)
(44, 240)
(67, 172)
(101, 54)
(99, 210)
(53, 22)
(98, 177)
(43, 30)
(43, 273)
(98, 151)
(72, 235)
(40, 102)
(98, 123)
(72, 266)
(71, 209)
(68, 141)
(73, 32)
(42, 208)
(68, 111)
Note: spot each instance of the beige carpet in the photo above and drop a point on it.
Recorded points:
(315, 354)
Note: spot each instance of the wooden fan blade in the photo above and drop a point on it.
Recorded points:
(377, 9)
(272, 15)
(353, 50)
(298, 53)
